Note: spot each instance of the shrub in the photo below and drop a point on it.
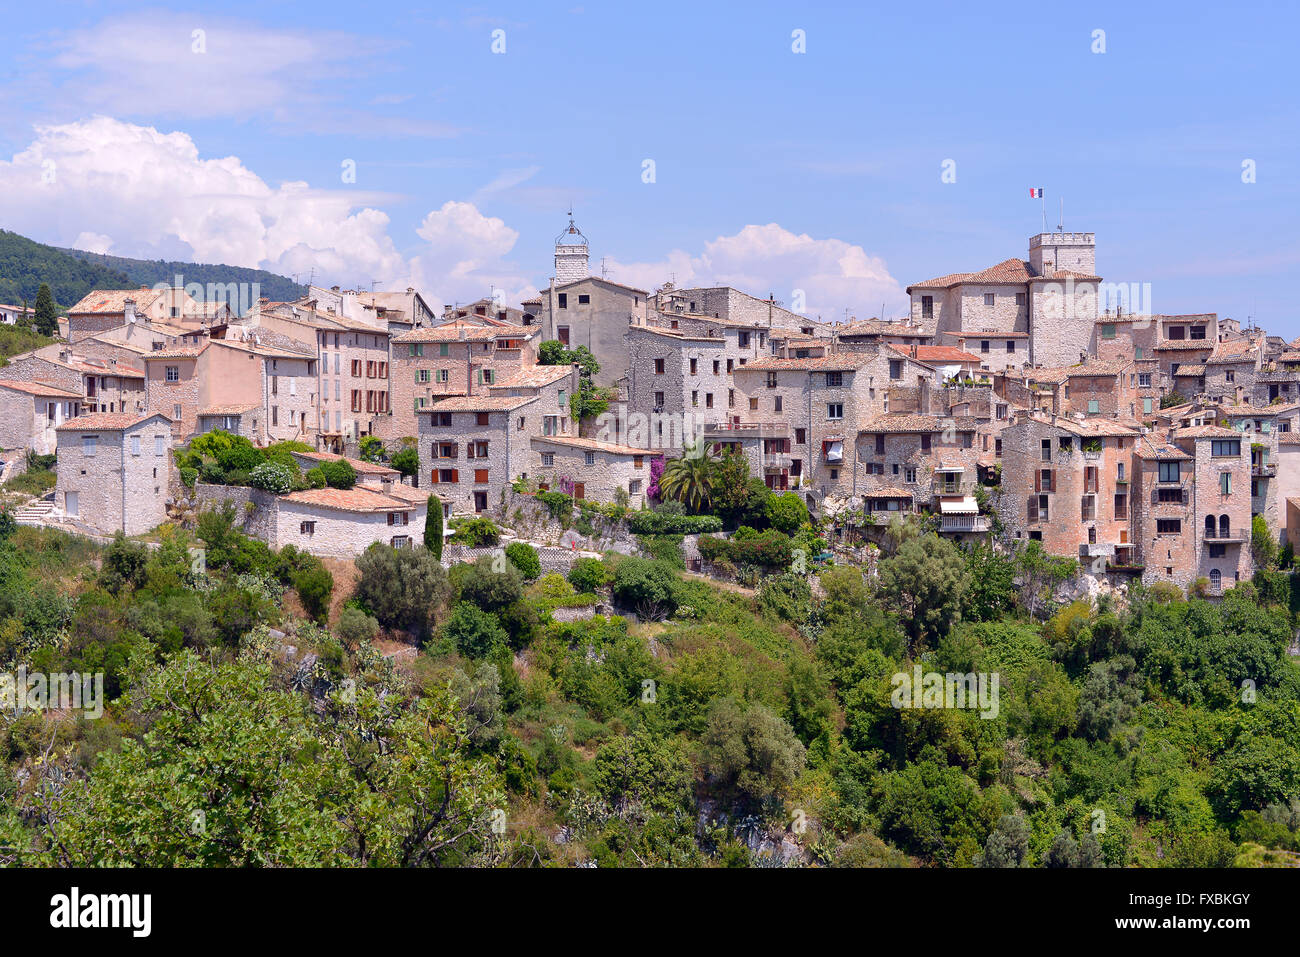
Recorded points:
(473, 631)
(338, 473)
(477, 532)
(355, 626)
(189, 476)
(647, 586)
(241, 456)
(769, 549)
(786, 512)
(663, 522)
(314, 477)
(524, 557)
(315, 586)
(588, 574)
(273, 477)
(406, 461)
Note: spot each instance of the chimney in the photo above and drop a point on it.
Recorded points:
(1237, 393)
(128, 307)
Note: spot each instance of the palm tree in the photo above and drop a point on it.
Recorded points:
(689, 480)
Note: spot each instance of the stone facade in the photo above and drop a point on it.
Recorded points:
(30, 412)
(594, 313)
(113, 471)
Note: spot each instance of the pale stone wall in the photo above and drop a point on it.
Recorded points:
(601, 477)
(598, 324)
(116, 487)
(343, 534)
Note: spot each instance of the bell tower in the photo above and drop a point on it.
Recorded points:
(570, 254)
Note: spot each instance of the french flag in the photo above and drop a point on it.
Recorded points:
(1035, 193)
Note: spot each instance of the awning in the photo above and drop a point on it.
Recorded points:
(959, 506)
(950, 468)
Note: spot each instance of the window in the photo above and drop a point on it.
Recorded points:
(1225, 483)
(176, 412)
(135, 445)
(1196, 332)
(1038, 508)
(799, 436)
(482, 418)
(562, 333)
(1047, 450)
(743, 340)
(564, 300)
(988, 299)
(1169, 526)
(1108, 330)
(1011, 345)
(1221, 448)
(659, 400)
(834, 380)
(1229, 375)
(776, 404)
(895, 368)
(548, 459)
(909, 476)
(835, 410)
(1088, 508)
(1020, 301)
(1218, 551)
(1170, 471)
(634, 487)
(440, 419)
(708, 401)
(1144, 380)
(1094, 406)
(584, 299)
(306, 528)
(89, 444)
(590, 458)
(414, 350)
(173, 373)
(1121, 507)
(985, 346)
(659, 367)
(480, 476)
(927, 307)
(399, 518)
(693, 366)
(1146, 406)
(159, 445)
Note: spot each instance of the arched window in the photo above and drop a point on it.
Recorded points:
(1224, 526)
(1209, 526)
(1216, 579)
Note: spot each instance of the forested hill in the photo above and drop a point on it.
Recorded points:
(25, 264)
(71, 273)
(147, 272)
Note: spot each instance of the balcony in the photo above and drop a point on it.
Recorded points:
(964, 523)
(777, 460)
(1263, 469)
(1096, 550)
(747, 430)
(1237, 536)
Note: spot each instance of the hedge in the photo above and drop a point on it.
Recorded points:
(657, 523)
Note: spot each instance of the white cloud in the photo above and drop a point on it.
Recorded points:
(832, 273)
(93, 242)
(465, 256)
(155, 195)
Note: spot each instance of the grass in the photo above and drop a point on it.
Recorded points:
(32, 483)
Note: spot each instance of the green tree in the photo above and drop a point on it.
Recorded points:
(406, 460)
(991, 579)
(1263, 546)
(648, 587)
(402, 587)
(315, 585)
(472, 631)
(45, 317)
(786, 512)
(433, 527)
(925, 581)
(750, 752)
(689, 480)
(524, 557)
(338, 473)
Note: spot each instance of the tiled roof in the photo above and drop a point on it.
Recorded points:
(113, 300)
(534, 377)
(1087, 426)
(1190, 369)
(107, 421)
(916, 422)
(888, 491)
(183, 352)
(1262, 411)
(934, 354)
(267, 351)
(607, 282)
(594, 445)
(1149, 448)
(360, 466)
(1182, 345)
(676, 334)
(879, 327)
(987, 334)
(1235, 350)
(359, 498)
(39, 388)
(1094, 367)
(458, 330)
(836, 361)
(1009, 271)
(1205, 432)
(480, 403)
(1060, 275)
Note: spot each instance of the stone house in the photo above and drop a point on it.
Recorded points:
(591, 469)
(342, 523)
(1066, 483)
(1193, 518)
(460, 357)
(31, 411)
(113, 470)
(1232, 368)
(105, 385)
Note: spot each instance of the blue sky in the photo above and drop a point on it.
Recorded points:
(774, 170)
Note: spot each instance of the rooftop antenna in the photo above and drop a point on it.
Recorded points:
(1060, 225)
(604, 271)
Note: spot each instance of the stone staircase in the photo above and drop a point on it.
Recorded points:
(36, 512)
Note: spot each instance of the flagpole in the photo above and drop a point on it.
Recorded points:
(1043, 196)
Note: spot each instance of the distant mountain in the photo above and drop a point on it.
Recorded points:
(71, 273)
(25, 264)
(147, 272)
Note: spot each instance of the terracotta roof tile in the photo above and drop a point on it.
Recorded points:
(108, 421)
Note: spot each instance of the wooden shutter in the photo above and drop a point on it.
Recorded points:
(455, 475)
(1033, 508)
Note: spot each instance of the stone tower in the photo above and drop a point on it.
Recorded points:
(1076, 252)
(570, 254)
